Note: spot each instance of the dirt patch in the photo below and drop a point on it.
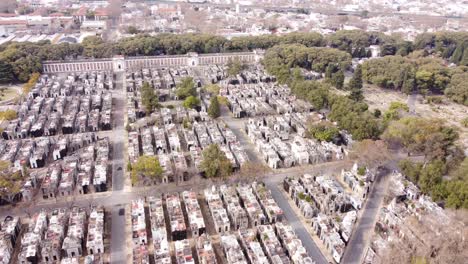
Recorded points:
(8, 93)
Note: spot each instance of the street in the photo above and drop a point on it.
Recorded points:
(118, 236)
(297, 224)
(365, 225)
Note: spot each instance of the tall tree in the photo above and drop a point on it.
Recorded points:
(147, 166)
(10, 182)
(215, 164)
(191, 102)
(6, 72)
(149, 99)
(355, 85)
(214, 110)
(235, 67)
(186, 88)
(371, 153)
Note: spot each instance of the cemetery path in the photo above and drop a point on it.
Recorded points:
(364, 229)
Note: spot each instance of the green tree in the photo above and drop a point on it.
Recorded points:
(395, 111)
(186, 88)
(214, 163)
(235, 67)
(323, 131)
(147, 166)
(8, 115)
(6, 72)
(213, 89)
(191, 102)
(355, 85)
(149, 98)
(337, 79)
(132, 30)
(461, 172)
(31, 83)
(10, 182)
(457, 90)
(214, 110)
(430, 137)
(410, 169)
(431, 176)
(377, 113)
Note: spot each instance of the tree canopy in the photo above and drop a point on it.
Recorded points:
(147, 166)
(10, 182)
(430, 137)
(235, 67)
(8, 115)
(355, 85)
(186, 88)
(214, 110)
(191, 102)
(149, 98)
(457, 89)
(213, 89)
(214, 163)
(280, 59)
(323, 131)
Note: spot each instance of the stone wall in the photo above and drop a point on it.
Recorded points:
(120, 63)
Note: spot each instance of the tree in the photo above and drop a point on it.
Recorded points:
(149, 99)
(235, 67)
(421, 248)
(114, 8)
(213, 89)
(147, 166)
(31, 83)
(191, 102)
(253, 171)
(371, 153)
(410, 169)
(457, 90)
(461, 172)
(395, 111)
(324, 131)
(186, 88)
(6, 72)
(214, 110)
(377, 113)
(10, 182)
(337, 79)
(8, 115)
(214, 163)
(355, 85)
(431, 176)
(132, 30)
(430, 137)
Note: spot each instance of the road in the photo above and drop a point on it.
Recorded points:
(297, 224)
(365, 226)
(118, 248)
